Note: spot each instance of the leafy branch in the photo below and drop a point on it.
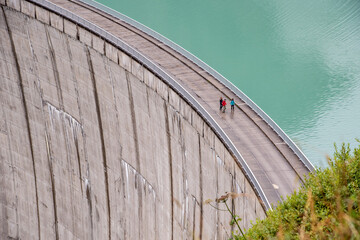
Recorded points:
(235, 219)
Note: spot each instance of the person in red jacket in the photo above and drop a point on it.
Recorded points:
(224, 104)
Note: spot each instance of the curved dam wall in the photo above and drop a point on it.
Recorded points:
(95, 146)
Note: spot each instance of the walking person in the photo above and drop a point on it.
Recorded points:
(232, 103)
(224, 105)
(221, 100)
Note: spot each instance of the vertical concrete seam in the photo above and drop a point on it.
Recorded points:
(55, 69)
(115, 105)
(136, 142)
(244, 200)
(194, 218)
(217, 194)
(62, 107)
(80, 112)
(103, 47)
(147, 99)
(185, 213)
(61, 103)
(77, 33)
(133, 119)
(170, 166)
(123, 191)
(117, 56)
(233, 209)
(47, 137)
(87, 185)
(98, 111)
(88, 196)
(78, 162)
(49, 156)
(255, 206)
(13, 49)
(201, 188)
(156, 230)
(13, 175)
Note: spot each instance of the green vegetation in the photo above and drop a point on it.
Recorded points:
(325, 207)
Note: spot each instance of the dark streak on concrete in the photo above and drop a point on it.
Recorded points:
(245, 201)
(156, 230)
(217, 193)
(106, 63)
(88, 197)
(47, 140)
(55, 69)
(133, 119)
(122, 181)
(201, 188)
(13, 169)
(26, 116)
(168, 135)
(80, 113)
(98, 111)
(77, 33)
(88, 187)
(194, 218)
(233, 189)
(13, 177)
(79, 162)
(147, 100)
(137, 153)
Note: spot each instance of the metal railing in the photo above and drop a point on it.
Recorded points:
(169, 80)
(212, 72)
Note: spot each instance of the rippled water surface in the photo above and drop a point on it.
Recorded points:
(299, 60)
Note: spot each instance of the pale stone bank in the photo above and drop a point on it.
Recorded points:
(95, 146)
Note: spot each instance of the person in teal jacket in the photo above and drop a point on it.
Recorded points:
(232, 103)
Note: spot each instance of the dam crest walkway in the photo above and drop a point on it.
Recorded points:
(275, 165)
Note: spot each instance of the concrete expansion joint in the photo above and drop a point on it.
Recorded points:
(102, 138)
(25, 109)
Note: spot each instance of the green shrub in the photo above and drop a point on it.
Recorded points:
(325, 207)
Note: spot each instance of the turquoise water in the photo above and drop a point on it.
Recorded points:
(298, 60)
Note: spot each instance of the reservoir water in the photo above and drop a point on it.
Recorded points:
(298, 60)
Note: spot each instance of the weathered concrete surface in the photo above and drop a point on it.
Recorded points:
(94, 146)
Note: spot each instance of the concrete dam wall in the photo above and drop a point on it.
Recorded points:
(95, 146)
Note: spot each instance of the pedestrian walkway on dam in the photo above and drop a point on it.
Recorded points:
(277, 169)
